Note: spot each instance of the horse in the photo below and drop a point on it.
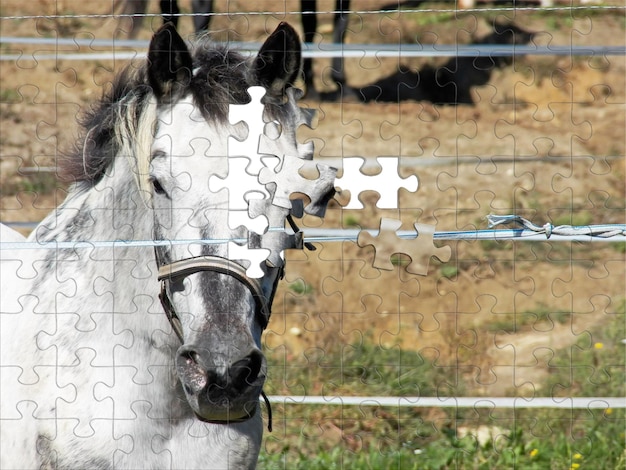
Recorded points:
(94, 374)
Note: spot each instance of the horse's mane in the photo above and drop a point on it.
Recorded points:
(123, 119)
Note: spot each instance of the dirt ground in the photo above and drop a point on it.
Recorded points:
(544, 140)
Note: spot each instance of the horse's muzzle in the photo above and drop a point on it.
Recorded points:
(218, 388)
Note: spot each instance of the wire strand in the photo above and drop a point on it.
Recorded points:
(455, 402)
(298, 13)
(530, 232)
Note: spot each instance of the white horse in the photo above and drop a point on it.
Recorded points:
(93, 373)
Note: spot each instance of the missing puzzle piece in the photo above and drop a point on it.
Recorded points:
(386, 183)
(251, 115)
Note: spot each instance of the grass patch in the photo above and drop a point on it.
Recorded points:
(351, 221)
(301, 287)
(542, 317)
(449, 271)
(353, 367)
(365, 437)
(582, 218)
(40, 183)
(420, 19)
(399, 260)
(492, 245)
(620, 247)
(9, 96)
(595, 365)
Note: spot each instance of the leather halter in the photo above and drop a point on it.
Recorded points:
(188, 266)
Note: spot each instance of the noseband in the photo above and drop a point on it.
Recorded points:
(188, 266)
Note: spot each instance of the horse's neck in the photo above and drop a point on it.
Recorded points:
(110, 210)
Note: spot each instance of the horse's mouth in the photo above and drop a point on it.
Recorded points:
(217, 404)
(230, 417)
(219, 393)
(227, 410)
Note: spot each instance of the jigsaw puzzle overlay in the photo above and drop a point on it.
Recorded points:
(391, 344)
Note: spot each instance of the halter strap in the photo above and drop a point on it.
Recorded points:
(185, 267)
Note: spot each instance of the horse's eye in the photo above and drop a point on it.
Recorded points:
(158, 189)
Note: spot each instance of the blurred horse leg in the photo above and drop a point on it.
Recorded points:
(339, 33)
(133, 9)
(309, 25)
(202, 14)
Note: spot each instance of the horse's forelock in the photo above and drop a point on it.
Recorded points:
(221, 79)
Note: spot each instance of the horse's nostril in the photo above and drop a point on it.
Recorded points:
(214, 374)
(190, 357)
(244, 372)
(191, 370)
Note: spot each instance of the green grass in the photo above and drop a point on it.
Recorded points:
(594, 366)
(351, 221)
(541, 317)
(596, 442)
(9, 95)
(620, 247)
(338, 459)
(420, 19)
(400, 260)
(40, 183)
(580, 218)
(354, 368)
(373, 437)
(301, 287)
(449, 271)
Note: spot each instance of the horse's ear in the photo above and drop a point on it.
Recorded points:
(169, 61)
(279, 61)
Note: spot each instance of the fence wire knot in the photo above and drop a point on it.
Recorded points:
(600, 231)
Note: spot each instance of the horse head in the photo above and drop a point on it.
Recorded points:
(217, 299)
